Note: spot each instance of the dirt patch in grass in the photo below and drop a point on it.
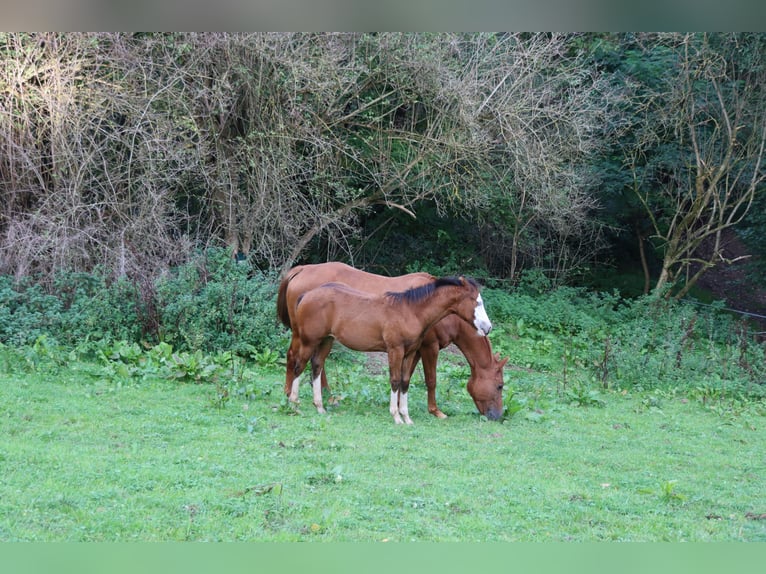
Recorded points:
(730, 282)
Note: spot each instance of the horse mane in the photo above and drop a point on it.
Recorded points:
(417, 294)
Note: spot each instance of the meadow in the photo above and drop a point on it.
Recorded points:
(130, 451)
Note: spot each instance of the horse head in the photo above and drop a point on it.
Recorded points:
(486, 388)
(478, 315)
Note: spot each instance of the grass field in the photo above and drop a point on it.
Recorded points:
(91, 458)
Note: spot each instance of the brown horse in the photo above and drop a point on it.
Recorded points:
(486, 381)
(395, 323)
(485, 384)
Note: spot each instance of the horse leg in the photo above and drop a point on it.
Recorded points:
(399, 367)
(430, 354)
(300, 355)
(317, 370)
(290, 369)
(408, 365)
(326, 387)
(395, 359)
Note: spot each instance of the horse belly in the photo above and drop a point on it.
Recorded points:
(360, 335)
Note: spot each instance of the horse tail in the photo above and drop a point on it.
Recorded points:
(282, 313)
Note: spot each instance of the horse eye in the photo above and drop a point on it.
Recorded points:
(499, 387)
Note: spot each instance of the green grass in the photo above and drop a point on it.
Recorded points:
(86, 458)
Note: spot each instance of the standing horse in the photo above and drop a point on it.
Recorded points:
(485, 385)
(394, 323)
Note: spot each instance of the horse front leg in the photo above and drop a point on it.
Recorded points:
(408, 366)
(430, 354)
(317, 371)
(326, 387)
(396, 368)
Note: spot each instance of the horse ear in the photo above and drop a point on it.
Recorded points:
(503, 362)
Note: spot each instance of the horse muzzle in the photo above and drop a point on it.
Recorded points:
(483, 327)
(493, 414)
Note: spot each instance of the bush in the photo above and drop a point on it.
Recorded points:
(96, 308)
(646, 343)
(78, 308)
(215, 303)
(211, 304)
(27, 312)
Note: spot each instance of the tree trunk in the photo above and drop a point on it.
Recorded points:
(644, 263)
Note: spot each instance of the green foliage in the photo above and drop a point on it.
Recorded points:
(216, 312)
(582, 395)
(511, 405)
(211, 304)
(667, 492)
(215, 303)
(26, 311)
(645, 343)
(78, 307)
(124, 360)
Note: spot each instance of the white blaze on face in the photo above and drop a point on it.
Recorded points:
(480, 319)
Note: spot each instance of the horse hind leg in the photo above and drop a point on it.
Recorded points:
(298, 357)
(290, 362)
(429, 356)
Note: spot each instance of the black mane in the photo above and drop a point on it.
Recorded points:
(416, 294)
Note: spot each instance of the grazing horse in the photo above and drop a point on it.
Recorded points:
(395, 323)
(485, 385)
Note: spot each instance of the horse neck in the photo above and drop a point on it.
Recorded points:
(439, 304)
(474, 347)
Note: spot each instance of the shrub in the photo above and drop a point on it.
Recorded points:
(27, 312)
(660, 343)
(79, 307)
(647, 342)
(96, 308)
(215, 303)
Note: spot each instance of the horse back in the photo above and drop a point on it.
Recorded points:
(314, 275)
(303, 278)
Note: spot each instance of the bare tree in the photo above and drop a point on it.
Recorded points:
(713, 109)
(126, 151)
(545, 110)
(91, 162)
(310, 131)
